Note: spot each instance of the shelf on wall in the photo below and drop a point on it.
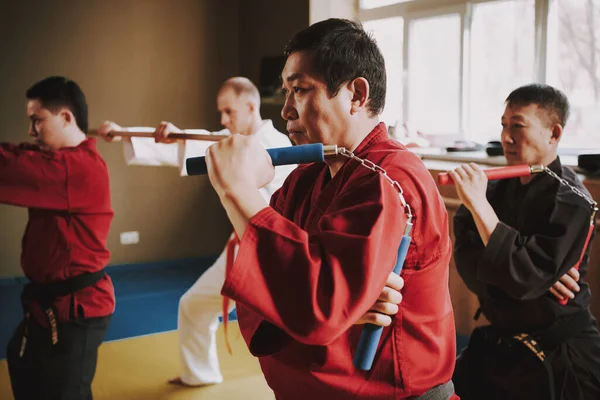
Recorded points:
(273, 100)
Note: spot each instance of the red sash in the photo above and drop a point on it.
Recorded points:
(231, 245)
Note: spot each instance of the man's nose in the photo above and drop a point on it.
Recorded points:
(288, 112)
(506, 137)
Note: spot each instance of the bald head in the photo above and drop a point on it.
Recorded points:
(238, 103)
(242, 87)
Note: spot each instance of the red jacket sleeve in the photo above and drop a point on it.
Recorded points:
(32, 178)
(315, 284)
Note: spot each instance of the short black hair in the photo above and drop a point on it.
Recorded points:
(56, 92)
(343, 51)
(546, 97)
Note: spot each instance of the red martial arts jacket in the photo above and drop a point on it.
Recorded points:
(68, 196)
(316, 260)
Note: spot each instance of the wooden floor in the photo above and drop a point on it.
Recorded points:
(139, 368)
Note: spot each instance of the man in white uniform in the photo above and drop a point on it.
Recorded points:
(238, 101)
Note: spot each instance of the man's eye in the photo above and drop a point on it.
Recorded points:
(285, 91)
(297, 89)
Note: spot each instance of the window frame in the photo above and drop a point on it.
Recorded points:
(546, 20)
(411, 16)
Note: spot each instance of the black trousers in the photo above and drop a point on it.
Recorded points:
(494, 369)
(55, 372)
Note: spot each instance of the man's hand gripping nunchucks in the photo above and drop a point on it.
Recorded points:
(471, 182)
(369, 340)
(246, 180)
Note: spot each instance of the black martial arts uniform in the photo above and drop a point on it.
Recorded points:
(534, 345)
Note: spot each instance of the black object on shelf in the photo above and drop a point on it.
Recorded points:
(590, 163)
(464, 145)
(270, 71)
(494, 148)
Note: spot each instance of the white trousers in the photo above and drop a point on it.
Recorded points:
(199, 311)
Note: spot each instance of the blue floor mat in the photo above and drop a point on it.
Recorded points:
(10, 310)
(147, 298)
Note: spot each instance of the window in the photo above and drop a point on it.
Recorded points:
(502, 59)
(575, 68)
(389, 34)
(462, 60)
(368, 4)
(433, 69)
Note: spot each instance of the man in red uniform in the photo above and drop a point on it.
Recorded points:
(63, 181)
(315, 261)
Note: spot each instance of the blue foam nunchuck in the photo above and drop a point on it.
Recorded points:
(369, 338)
(302, 154)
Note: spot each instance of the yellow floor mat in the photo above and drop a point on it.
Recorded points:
(138, 369)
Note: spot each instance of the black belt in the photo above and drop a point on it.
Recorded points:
(45, 294)
(440, 392)
(551, 338)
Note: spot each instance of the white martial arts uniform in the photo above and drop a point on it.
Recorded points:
(201, 306)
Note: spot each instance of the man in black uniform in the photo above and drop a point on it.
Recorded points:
(514, 239)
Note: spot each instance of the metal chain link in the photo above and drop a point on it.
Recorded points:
(376, 168)
(573, 188)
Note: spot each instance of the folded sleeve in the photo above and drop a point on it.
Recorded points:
(525, 267)
(33, 178)
(314, 286)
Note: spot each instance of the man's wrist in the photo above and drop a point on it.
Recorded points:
(479, 206)
(486, 220)
(245, 199)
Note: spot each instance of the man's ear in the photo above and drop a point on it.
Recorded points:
(359, 88)
(556, 133)
(67, 116)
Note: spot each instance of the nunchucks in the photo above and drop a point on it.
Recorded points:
(587, 241)
(369, 338)
(371, 334)
(514, 171)
(302, 154)
(149, 133)
(517, 171)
